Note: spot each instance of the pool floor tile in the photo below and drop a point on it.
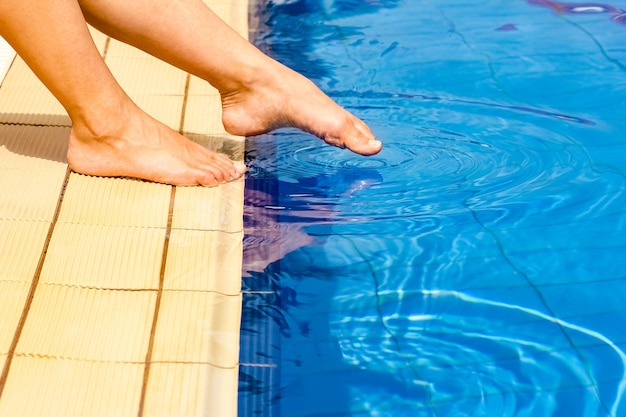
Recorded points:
(596, 329)
(563, 402)
(574, 299)
(604, 362)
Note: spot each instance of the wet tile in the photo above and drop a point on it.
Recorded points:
(215, 208)
(260, 335)
(198, 327)
(201, 260)
(176, 389)
(256, 394)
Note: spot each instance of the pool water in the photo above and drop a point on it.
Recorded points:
(477, 265)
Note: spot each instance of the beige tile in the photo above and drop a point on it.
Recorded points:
(99, 39)
(110, 257)
(30, 194)
(82, 347)
(199, 260)
(115, 202)
(119, 49)
(199, 87)
(21, 242)
(215, 208)
(88, 324)
(203, 113)
(14, 295)
(167, 110)
(198, 327)
(23, 94)
(191, 390)
(30, 177)
(38, 147)
(157, 87)
(147, 75)
(63, 388)
(235, 13)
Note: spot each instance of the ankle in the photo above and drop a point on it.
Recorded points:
(101, 122)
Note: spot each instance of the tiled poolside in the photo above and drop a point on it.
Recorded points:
(120, 297)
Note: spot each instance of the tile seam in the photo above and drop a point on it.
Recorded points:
(31, 293)
(117, 362)
(105, 51)
(91, 287)
(146, 373)
(122, 289)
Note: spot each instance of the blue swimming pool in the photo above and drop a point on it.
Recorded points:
(477, 265)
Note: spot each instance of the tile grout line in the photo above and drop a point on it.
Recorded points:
(166, 244)
(157, 307)
(33, 287)
(105, 51)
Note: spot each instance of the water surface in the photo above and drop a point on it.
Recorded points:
(476, 266)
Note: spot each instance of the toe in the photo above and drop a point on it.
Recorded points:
(361, 140)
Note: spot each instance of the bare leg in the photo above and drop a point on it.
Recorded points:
(110, 135)
(258, 94)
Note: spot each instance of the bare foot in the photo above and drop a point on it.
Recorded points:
(279, 97)
(138, 146)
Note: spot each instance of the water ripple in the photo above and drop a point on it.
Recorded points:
(517, 362)
(478, 161)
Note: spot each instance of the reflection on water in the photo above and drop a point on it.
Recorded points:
(618, 15)
(475, 266)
